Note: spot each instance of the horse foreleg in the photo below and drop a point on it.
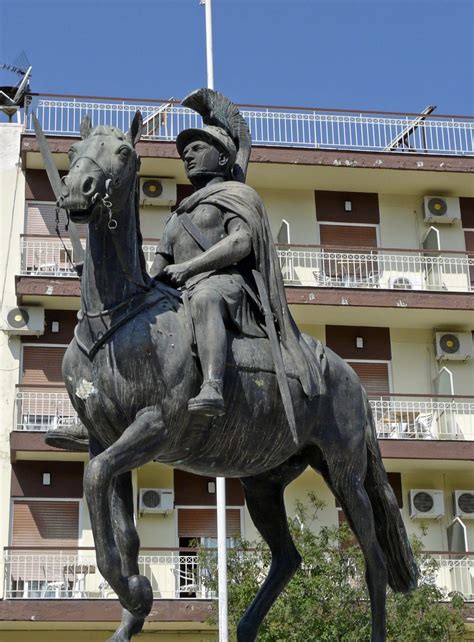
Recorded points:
(264, 497)
(128, 543)
(136, 446)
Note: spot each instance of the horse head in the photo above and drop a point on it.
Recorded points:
(103, 170)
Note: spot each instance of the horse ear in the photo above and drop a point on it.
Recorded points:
(85, 127)
(135, 132)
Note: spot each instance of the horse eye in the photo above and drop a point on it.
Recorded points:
(124, 151)
(71, 153)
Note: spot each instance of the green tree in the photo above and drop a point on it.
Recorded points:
(327, 601)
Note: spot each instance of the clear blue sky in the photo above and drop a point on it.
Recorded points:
(398, 55)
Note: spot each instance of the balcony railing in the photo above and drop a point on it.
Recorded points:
(41, 410)
(418, 417)
(269, 126)
(456, 573)
(173, 575)
(376, 269)
(74, 575)
(396, 416)
(308, 266)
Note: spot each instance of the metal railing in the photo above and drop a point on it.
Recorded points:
(269, 126)
(417, 417)
(376, 269)
(173, 575)
(42, 410)
(455, 574)
(396, 416)
(74, 575)
(308, 266)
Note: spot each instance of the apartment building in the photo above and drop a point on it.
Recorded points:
(373, 215)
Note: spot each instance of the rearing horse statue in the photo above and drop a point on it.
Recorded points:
(130, 371)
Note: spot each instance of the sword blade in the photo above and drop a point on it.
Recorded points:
(277, 356)
(55, 181)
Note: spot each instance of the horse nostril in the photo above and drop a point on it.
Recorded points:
(88, 185)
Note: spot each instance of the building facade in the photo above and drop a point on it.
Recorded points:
(373, 215)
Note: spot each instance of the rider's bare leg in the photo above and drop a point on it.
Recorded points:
(208, 311)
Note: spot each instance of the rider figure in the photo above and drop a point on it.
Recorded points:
(216, 281)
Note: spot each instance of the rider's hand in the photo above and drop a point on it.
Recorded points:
(178, 274)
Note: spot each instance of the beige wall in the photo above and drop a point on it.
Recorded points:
(157, 530)
(436, 538)
(12, 190)
(295, 206)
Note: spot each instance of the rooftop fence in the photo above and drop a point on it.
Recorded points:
(269, 126)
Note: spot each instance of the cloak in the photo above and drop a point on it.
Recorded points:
(243, 201)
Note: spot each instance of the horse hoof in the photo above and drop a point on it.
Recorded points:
(141, 596)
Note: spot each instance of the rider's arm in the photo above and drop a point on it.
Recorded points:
(159, 263)
(230, 250)
(163, 255)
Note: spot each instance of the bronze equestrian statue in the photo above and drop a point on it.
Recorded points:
(214, 378)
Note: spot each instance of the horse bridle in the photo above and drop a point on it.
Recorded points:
(112, 223)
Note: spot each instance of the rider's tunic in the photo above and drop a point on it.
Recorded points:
(178, 246)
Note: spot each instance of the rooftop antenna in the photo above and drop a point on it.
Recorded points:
(12, 97)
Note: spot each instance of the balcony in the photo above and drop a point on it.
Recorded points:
(42, 409)
(397, 416)
(270, 126)
(314, 266)
(306, 266)
(421, 418)
(174, 574)
(73, 574)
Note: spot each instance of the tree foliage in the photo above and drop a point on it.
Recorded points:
(327, 600)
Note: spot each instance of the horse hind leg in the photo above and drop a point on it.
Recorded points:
(345, 477)
(128, 544)
(264, 497)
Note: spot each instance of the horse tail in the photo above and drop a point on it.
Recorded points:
(391, 534)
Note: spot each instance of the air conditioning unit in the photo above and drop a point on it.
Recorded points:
(463, 502)
(455, 346)
(426, 504)
(157, 191)
(406, 282)
(441, 209)
(156, 500)
(24, 320)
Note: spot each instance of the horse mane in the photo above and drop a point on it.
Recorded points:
(141, 254)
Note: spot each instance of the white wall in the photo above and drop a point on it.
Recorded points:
(12, 207)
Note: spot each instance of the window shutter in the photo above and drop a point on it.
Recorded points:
(202, 522)
(347, 236)
(41, 219)
(45, 523)
(42, 364)
(373, 376)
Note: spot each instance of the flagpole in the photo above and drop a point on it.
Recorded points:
(220, 481)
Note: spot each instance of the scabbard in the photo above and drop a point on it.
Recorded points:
(275, 347)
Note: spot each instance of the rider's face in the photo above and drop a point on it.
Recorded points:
(201, 158)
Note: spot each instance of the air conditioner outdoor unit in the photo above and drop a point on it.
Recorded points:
(441, 209)
(455, 346)
(463, 501)
(157, 191)
(406, 282)
(156, 500)
(24, 320)
(426, 504)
